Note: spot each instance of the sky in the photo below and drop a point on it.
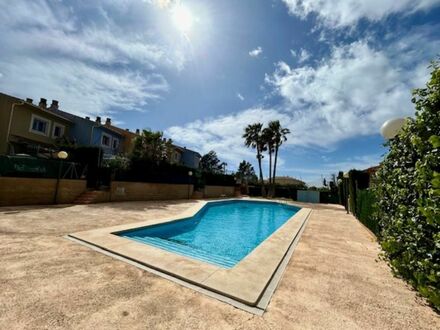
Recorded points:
(201, 71)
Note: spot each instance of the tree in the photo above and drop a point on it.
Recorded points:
(152, 146)
(407, 192)
(117, 163)
(254, 138)
(246, 172)
(211, 163)
(268, 140)
(332, 185)
(279, 136)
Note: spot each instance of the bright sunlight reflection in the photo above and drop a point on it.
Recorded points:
(182, 18)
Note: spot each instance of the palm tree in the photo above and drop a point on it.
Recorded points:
(268, 139)
(279, 136)
(253, 135)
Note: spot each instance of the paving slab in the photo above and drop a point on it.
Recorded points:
(334, 280)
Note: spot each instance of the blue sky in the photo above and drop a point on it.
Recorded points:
(331, 71)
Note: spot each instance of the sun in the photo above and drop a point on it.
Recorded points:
(182, 18)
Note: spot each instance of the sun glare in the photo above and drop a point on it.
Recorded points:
(182, 18)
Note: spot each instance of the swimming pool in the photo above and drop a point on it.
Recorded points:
(239, 259)
(221, 233)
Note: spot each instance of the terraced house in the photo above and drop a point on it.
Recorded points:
(87, 132)
(29, 128)
(185, 157)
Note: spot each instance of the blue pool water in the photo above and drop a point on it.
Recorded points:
(221, 233)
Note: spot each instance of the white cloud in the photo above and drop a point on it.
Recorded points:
(351, 93)
(348, 94)
(81, 88)
(241, 97)
(92, 66)
(256, 52)
(344, 13)
(224, 133)
(302, 56)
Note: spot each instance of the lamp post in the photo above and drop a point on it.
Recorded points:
(190, 173)
(62, 155)
(391, 127)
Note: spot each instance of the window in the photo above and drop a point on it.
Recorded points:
(58, 130)
(105, 140)
(39, 125)
(115, 143)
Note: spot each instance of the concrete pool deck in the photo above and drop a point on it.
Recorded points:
(246, 282)
(334, 279)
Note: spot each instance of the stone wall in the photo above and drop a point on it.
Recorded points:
(31, 191)
(218, 191)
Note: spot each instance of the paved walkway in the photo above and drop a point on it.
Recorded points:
(333, 281)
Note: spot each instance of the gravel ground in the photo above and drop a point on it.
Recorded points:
(334, 280)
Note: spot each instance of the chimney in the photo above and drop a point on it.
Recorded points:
(54, 105)
(98, 120)
(43, 103)
(87, 117)
(29, 100)
(108, 121)
(138, 132)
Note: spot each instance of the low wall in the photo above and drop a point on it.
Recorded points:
(140, 191)
(218, 191)
(31, 191)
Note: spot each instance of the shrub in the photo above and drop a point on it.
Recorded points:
(365, 209)
(145, 170)
(217, 179)
(117, 163)
(408, 195)
(329, 196)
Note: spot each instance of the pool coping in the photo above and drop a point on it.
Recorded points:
(246, 282)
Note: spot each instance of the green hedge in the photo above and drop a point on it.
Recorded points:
(357, 180)
(365, 209)
(141, 170)
(408, 195)
(329, 197)
(217, 179)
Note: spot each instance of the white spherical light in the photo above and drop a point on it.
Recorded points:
(391, 127)
(62, 155)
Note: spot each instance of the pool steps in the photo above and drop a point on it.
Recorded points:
(185, 250)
